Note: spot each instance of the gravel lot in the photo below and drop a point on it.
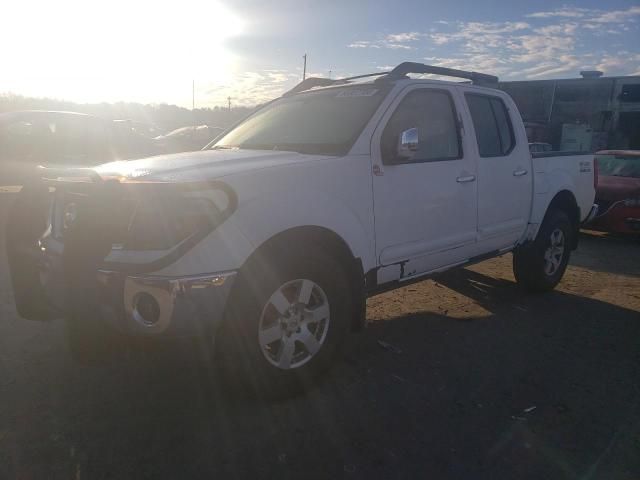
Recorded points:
(483, 381)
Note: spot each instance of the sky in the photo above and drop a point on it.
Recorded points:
(154, 51)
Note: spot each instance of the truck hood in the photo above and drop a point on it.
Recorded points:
(201, 165)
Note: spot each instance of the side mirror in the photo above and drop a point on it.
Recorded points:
(407, 144)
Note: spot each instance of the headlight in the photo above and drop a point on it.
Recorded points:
(140, 216)
(162, 221)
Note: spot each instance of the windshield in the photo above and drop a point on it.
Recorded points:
(618, 166)
(326, 122)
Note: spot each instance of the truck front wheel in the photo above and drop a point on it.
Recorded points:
(540, 265)
(287, 317)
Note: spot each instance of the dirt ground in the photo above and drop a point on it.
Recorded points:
(476, 380)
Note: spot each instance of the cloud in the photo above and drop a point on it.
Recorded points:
(478, 37)
(558, 29)
(394, 41)
(554, 43)
(546, 44)
(589, 15)
(614, 63)
(540, 47)
(481, 63)
(363, 44)
(441, 38)
(403, 37)
(396, 46)
(616, 16)
(564, 12)
(252, 88)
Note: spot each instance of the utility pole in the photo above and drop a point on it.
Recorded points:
(304, 69)
(229, 100)
(193, 107)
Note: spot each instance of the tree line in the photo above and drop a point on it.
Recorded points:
(165, 117)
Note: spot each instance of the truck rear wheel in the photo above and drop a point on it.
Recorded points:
(286, 320)
(539, 266)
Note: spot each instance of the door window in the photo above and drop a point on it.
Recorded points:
(494, 132)
(431, 115)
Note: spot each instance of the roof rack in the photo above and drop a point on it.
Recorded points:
(398, 73)
(401, 71)
(313, 82)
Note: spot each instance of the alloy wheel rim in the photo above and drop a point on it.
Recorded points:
(294, 324)
(554, 253)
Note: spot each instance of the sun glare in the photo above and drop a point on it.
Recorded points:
(118, 50)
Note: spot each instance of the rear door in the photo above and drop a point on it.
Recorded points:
(424, 201)
(504, 169)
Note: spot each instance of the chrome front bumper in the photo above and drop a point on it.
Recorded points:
(187, 305)
(183, 305)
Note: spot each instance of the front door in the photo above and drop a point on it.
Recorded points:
(424, 185)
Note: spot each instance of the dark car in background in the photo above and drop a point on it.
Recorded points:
(32, 138)
(618, 192)
(147, 130)
(187, 139)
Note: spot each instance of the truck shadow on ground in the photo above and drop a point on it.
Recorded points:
(600, 252)
(448, 401)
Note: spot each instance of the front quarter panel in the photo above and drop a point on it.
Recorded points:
(333, 193)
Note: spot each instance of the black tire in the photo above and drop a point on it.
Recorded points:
(243, 363)
(529, 264)
(26, 221)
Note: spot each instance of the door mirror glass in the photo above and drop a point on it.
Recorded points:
(407, 144)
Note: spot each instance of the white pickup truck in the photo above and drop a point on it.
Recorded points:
(271, 239)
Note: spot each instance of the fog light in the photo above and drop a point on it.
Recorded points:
(146, 309)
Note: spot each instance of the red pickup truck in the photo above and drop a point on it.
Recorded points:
(618, 192)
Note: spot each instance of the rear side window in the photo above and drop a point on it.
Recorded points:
(494, 132)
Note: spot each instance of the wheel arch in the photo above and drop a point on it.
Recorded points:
(310, 236)
(565, 201)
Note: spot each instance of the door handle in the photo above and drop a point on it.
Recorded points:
(519, 173)
(466, 178)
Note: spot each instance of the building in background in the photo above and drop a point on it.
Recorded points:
(580, 114)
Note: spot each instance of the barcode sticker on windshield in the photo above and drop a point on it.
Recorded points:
(358, 92)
